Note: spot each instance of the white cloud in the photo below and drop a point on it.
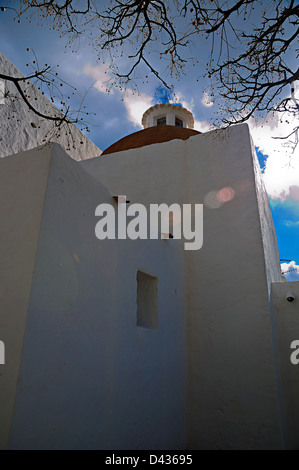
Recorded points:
(207, 100)
(281, 174)
(202, 126)
(100, 73)
(179, 99)
(290, 271)
(291, 223)
(136, 105)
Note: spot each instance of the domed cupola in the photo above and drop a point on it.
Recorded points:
(162, 123)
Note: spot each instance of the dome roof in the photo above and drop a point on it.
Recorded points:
(149, 136)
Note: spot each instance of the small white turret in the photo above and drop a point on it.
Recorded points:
(167, 114)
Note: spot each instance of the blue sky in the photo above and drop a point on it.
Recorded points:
(118, 113)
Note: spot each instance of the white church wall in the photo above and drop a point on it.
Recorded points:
(286, 334)
(23, 181)
(231, 384)
(21, 129)
(90, 377)
(270, 245)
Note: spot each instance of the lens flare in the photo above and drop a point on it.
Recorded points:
(225, 194)
(211, 200)
(215, 199)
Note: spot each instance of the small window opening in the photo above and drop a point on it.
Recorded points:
(178, 122)
(147, 300)
(161, 121)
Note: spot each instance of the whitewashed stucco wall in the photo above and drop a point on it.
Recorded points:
(270, 245)
(232, 398)
(216, 340)
(23, 182)
(16, 131)
(90, 378)
(232, 382)
(286, 330)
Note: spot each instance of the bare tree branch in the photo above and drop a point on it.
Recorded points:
(251, 65)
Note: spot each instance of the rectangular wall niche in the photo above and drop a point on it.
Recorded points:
(147, 300)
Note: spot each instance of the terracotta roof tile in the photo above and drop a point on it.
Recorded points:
(151, 135)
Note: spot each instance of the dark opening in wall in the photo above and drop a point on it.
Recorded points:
(147, 300)
(161, 121)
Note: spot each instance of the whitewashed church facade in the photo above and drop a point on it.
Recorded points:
(141, 344)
